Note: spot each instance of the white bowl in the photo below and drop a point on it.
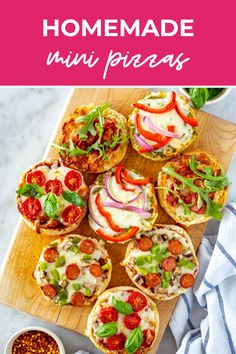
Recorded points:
(8, 348)
(213, 100)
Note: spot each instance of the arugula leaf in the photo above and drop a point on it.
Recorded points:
(50, 205)
(213, 209)
(75, 151)
(208, 175)
(88, 120)
(30, 190)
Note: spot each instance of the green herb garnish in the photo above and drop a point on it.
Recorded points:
(200, 95)
(134, 340)
(122, 307)
(76, 286)
(31, 190)
(107, 330)
(73, 198)
(55, 274)
(50, 205)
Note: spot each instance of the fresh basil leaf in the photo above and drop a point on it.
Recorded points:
(186, 264)
(134, 340)
(50, 205)
(31, 190)
(198, 96)
(107, 330)
(213, 92)
(122, 307)
(88, 121)
(73, 198)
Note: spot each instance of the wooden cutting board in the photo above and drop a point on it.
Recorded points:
(17, 287)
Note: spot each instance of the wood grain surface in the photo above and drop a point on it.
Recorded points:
(18, 289)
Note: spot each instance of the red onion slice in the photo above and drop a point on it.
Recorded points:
(142, 143)
(114, 197)
(134, 209)
(147, 121)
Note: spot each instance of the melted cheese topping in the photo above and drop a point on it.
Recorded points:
(85, 278)
(163, 120)
(156, 236)
(122, 218)
(148, 316)
(51, 173)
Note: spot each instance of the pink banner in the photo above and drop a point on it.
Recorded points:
(117, 43)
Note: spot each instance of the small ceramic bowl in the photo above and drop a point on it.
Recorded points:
(8, 348)
(213, 100)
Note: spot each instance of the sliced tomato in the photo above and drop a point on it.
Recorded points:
(77, 299)
(106, 214)
(31, 208)
(71, 214)
(188, 120)
(148, 337)
(172, 200)
(167, 108)
(132, 321)
(36, 177)
(197, 210)
(130, 180)
(73, 180)
(118, 178)
(137, 300)
(53, 186)
(123, 237)
(108, 314)
(158, 138)
(116, 342)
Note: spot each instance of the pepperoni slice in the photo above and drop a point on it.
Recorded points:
(71, 214)
(50, 255)
(31, 208)
(152, 280)
(116, 342)
(77, 299)
(108, 314)
(172, 200)
(169, 264)
(72, 271)
(148, 337)
(187, 281)
(54, 186)
(49, 291)
(132, 321)
(95, 270)
(137, 300)
(145, 243)
(73, 180)
(175, 247)
(87, 246)
(36, 177)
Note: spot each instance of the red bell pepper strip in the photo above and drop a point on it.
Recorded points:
(153, 136)
(120, 238)
(188, 120)
(167, 108)
(138, 182)
(106, 215)
(162, 143)
(118, 178)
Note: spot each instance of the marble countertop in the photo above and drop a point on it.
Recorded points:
(27, 118)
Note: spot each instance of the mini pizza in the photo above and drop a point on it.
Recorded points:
(162, 263)
(192, 188)
(94, 139)
(73, 270)
(122, 203)
(162, 125)
(123, 320)
(52, 198)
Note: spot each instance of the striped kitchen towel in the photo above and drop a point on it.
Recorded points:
(204, 320)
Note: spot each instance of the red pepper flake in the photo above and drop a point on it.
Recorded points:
(35, 342)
